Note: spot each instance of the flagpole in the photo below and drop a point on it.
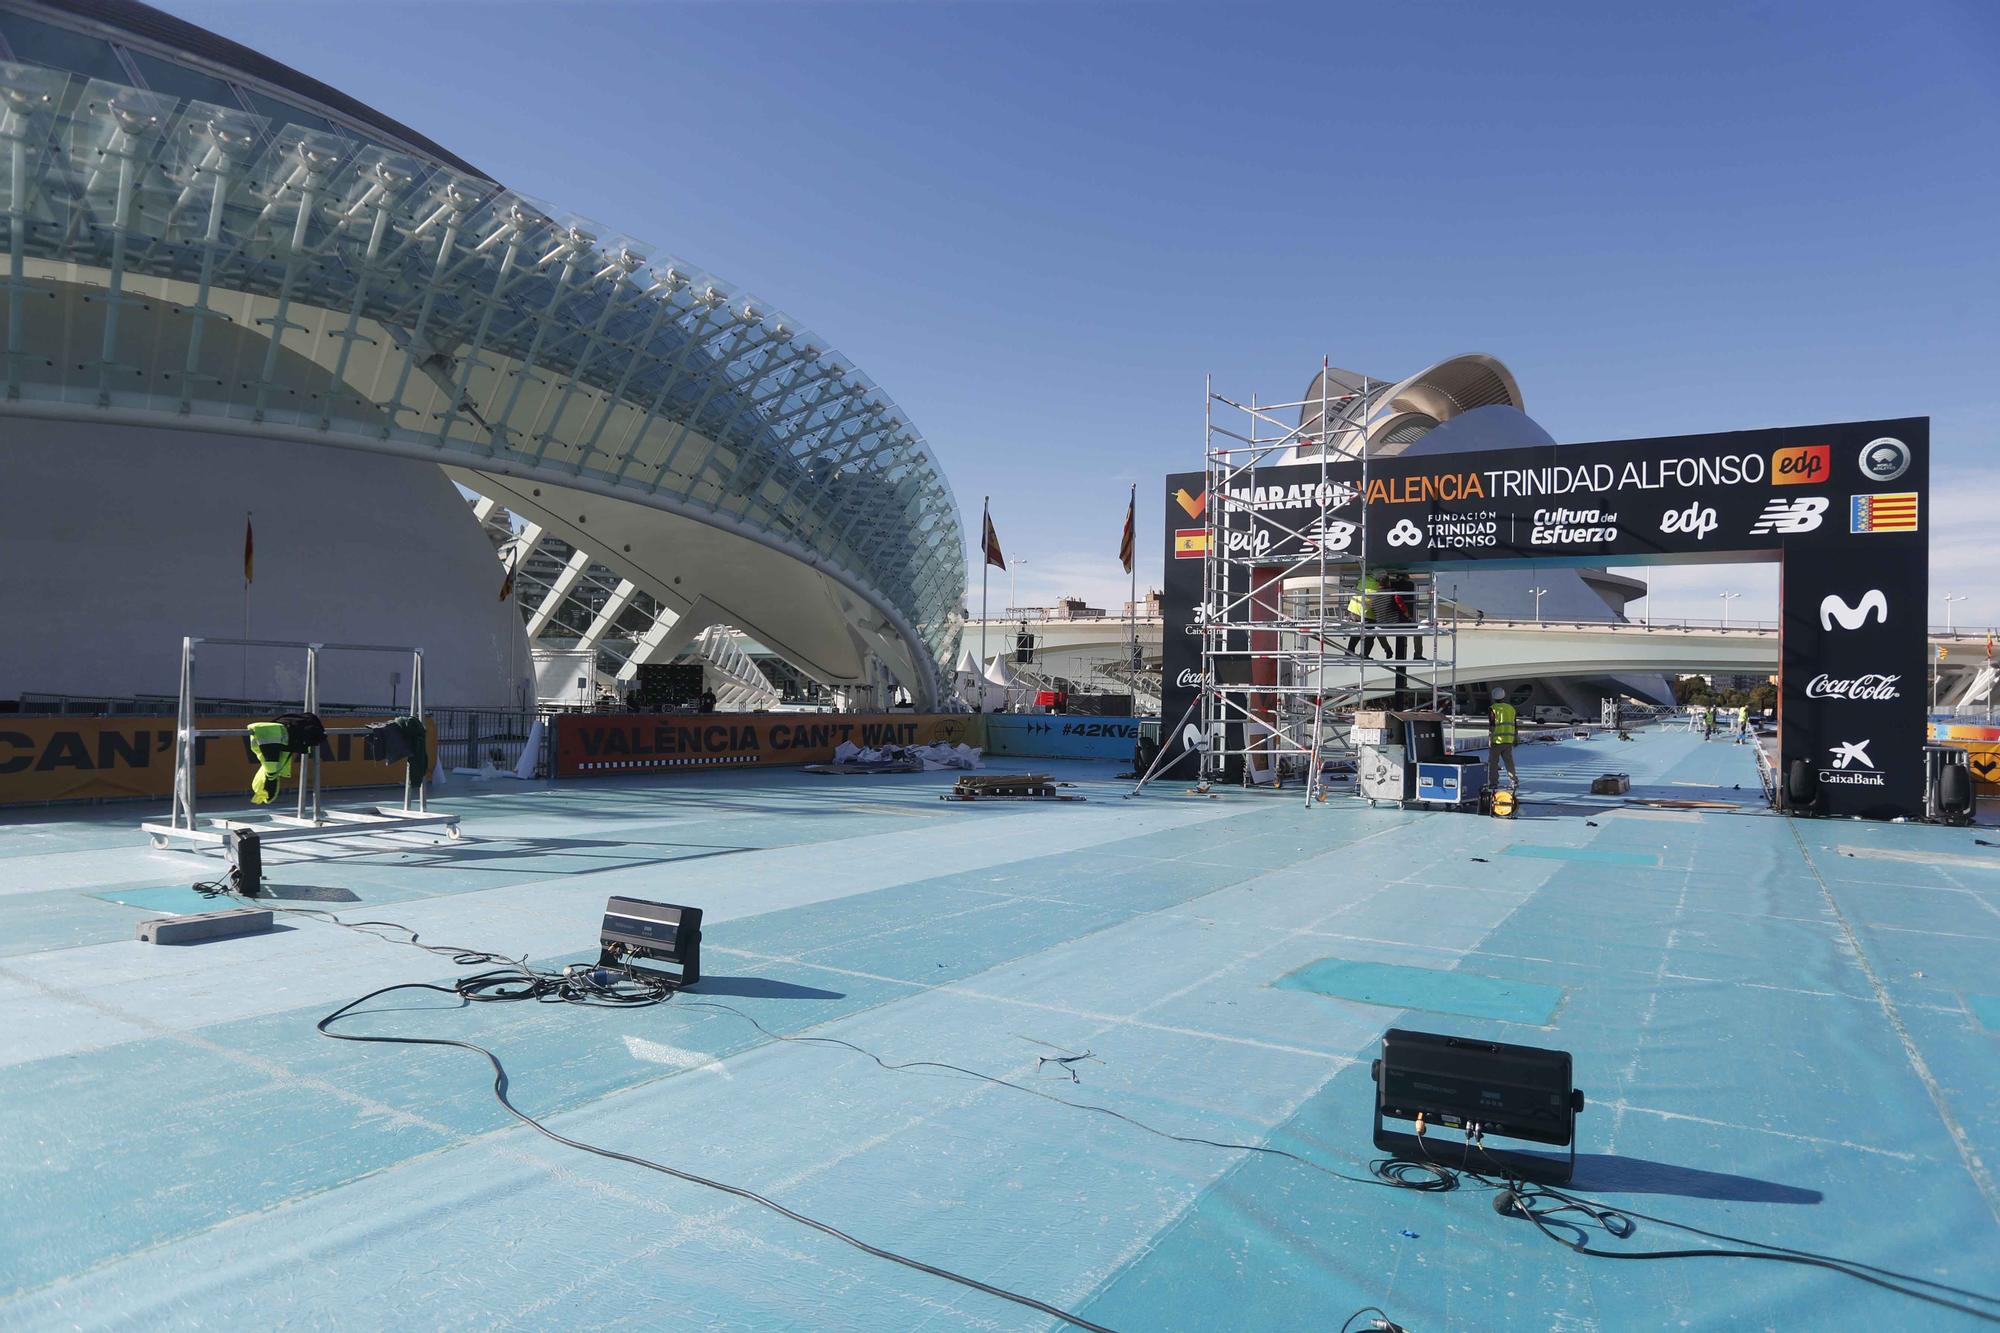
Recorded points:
(1132, 611)
(985, 561)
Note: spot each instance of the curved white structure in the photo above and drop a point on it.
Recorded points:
(217, 244)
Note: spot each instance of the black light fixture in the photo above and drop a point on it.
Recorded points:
(1481, 1088)
(635, 928)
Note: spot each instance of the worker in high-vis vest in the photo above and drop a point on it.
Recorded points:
(1362, 606)
(1500, 717)
(1742, 723)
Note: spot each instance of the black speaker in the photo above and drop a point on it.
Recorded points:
(1024, 648)
(1801, 787)
(1954, 793)
(246, 861)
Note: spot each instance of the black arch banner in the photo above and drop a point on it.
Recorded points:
(1843, 507)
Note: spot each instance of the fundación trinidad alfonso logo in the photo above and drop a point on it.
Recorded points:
(1192, 504)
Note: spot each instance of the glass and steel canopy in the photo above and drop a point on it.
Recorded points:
(410, 307)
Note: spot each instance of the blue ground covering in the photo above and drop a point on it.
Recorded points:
(1786, 1030)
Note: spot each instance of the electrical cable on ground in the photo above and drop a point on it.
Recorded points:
(500, 1094)
(582, 983)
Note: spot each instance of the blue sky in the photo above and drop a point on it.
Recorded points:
(1039, 226)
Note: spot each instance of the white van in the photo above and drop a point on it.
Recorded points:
(1555, 715)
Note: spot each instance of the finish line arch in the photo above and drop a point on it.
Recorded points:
(1839, 507)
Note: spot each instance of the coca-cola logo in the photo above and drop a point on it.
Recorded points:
(1190, 679)
(1873, 687)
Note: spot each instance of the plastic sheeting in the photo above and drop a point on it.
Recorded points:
(1769, 1024)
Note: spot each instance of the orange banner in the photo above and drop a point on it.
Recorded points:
(594, 743)
(85, 758)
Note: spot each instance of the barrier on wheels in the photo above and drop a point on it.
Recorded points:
(108, 758)
(594, 744)
(1982, 752)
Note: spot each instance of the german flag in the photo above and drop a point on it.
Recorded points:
(1892, 512)
(1190, 543)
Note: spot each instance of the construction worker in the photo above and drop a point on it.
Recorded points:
(1403, 611)
(1742, 723)
(1500, 717)
(1362, 606)
(1708, 721)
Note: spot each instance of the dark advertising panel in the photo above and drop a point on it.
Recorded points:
(1843, 506)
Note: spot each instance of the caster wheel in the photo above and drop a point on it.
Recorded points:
(453, 833)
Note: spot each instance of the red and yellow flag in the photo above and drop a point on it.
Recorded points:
(1125, 542)
(990, 541)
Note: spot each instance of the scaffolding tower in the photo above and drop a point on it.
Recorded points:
(1287, 644)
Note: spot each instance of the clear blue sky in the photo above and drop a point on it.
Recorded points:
(1038, 226)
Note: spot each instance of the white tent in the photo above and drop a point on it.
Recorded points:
(997, 684)
(968, 682)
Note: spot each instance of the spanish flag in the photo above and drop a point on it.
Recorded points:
(990, 540)
(1190, 543)
(1125, 542)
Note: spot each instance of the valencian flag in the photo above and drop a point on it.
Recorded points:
(1125, 542)
(249, 551)
(990, 540)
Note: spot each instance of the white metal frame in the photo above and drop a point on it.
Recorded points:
(1311, 703)
(311, 819)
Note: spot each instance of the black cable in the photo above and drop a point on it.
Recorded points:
(896, 1066)
(1527, 1192)
(1382, 1321)
(582, 983)
(532, 985)
(1440, 1178)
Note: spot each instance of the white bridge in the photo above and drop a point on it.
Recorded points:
(1093, 651)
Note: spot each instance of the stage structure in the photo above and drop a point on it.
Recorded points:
(1260, 647)
(1284, 625)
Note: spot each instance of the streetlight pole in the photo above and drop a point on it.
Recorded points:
(1727, 598)
(1948, 600)
(1538, 603)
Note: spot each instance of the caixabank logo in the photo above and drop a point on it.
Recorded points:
(1850, 765)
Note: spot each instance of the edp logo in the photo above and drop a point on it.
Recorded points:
(1696, 520)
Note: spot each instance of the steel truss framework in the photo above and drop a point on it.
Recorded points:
(1290, 622)
(440, 316)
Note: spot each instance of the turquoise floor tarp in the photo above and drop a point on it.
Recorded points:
(1786, 1031)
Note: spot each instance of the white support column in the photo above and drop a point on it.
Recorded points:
(649, 643)
(579, 560)
(614, 607)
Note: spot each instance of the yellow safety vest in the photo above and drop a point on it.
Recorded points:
(1502, 716)
(274, 763)
(1361, 605)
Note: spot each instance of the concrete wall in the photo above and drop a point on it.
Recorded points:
(117, 541)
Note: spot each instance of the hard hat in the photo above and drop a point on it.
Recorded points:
(1500, 691)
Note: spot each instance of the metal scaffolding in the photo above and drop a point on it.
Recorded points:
(1287, 640)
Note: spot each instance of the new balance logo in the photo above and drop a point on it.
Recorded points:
(1800, 515)
(1872, 606)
